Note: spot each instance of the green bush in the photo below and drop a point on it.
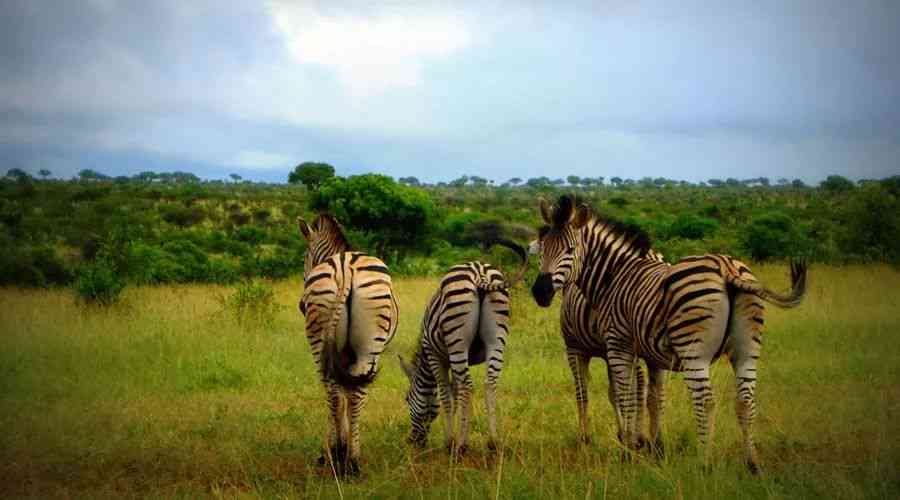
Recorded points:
(98, 283)
(182, 216)
(873, 226)
(773, 235)
(693, 227)
(27, 266)
(400, 216)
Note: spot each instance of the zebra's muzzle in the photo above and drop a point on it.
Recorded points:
(542, 290)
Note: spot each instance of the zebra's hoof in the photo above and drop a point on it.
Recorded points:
(754, 468)
(492, 445)
(657, 449)
(352, 468)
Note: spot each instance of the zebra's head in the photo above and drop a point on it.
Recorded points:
(421, 399)
(557, 245)
(324, 238)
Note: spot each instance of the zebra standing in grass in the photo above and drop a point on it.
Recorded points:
(351, 316)
(466, 323)
(680, 317)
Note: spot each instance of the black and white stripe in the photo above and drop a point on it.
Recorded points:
(351, 316)
(466, 323)
(680, 317)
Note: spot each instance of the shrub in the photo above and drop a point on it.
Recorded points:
(251, 303)
(182, 216)
(618, 201)
(250, 234)
(32, 267)
(400, 216)
(693, 227)
(772, 235)
(98, 283)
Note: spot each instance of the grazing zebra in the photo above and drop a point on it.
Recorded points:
(351, 316)
(679, 317)
(466, 323)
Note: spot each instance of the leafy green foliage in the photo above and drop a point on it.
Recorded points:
(772, 235)
(98, 283)
(311, 174)
(693, 227)
(251, 304)
(400, 216)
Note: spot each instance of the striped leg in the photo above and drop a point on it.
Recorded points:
(697, 379)
(656, 400)
(446, 394)
(462, 381)
(335, 446)
(641, 400)
(579, 363)
(744, 349)
(356, 401)
(492, 377)
(622, 364)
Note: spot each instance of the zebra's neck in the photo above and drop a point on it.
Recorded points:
(321, 251)
(602, 252)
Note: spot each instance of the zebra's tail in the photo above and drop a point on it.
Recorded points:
(335, 364)
(520, 251)
(793, 299)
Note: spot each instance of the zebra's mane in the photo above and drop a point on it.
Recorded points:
(562, 213)
(325, 220)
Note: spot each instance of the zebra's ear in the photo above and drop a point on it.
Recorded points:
(546, 211)
(581, 216)
(305, 230)
(407, 370)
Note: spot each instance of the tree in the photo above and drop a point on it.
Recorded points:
(715, 182)
(91, 175)
(146, 176)
(616, 181)
(837, 184)
(394, 215)
(797, 184)
(557, 182)
(409, 181)
(311, 174)
(573, 180)
(44, 173)
(235, 177)
(515, 181)
(17, 173)
(460, 182)
(478, 181)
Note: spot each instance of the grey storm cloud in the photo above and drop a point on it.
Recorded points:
(687, 90)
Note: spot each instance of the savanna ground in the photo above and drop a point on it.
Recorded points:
(164, 395)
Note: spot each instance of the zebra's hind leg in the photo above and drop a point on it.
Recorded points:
(743, 349)
(492, 377)
(356, 402)
(697, 379)
(621, 366)
(446, 393)
(334, 452)
(656, 399)
(579, 363)
(463, 384)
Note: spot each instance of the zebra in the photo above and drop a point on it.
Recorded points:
(466, 323)
(678, 317)
(351, 316)
(578, 324)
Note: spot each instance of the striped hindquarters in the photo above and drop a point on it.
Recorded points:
(351, 316)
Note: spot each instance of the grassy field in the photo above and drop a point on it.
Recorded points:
(165, 396)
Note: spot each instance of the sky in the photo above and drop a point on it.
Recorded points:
(500, 89)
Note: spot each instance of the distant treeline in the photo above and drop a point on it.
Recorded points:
(171, 227)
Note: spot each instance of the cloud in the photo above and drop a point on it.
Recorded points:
(371, 51)
(261, 160)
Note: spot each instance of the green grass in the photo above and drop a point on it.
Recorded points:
(165, 396)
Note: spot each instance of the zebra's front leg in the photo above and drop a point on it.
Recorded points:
(356, 402)
(656, 406)
(579, 363)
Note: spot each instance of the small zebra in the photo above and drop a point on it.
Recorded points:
(581, 329)
(351, 316)
(466, 323)
(679, 317)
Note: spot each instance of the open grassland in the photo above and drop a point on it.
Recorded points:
(165, 396)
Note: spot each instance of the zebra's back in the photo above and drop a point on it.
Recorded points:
(350, 296)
